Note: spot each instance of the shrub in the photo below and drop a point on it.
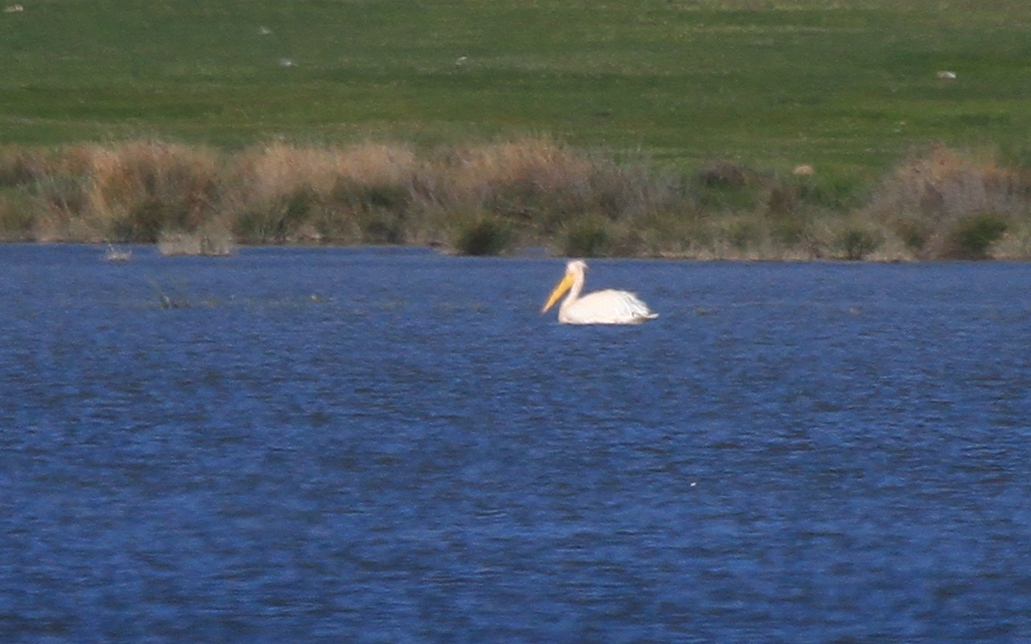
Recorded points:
(939, 203)
(854, 243)
(382, 227)
(782, 200)
(16, 218)
(913, 231)
(588, 237)
(279, 218)
(159, 185)
(146, 219)
(972, 237)
(743, 234)
(669, 234)
(20, 168)
(828, 192)
(483, 236)
(378, 209)
(726, 186)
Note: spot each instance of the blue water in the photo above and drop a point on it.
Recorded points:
(388, 445)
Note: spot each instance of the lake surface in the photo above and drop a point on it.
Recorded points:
(391, 445)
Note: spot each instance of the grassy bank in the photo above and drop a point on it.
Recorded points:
(650, 128)
(850, 88)
(501, 197)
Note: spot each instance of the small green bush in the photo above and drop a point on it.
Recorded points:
(743, 234)
(298, 205)
(834, 193)
(483, 236)
(782, 201)
(379, 210)
(586, 238)
(145, 221)
(358, 196)
(972, 237)
(16, 218)
(382, 227)
(855, 244)
(255, 225)
(20, 168)
(278, 221)
(64, 194)
(913, 231)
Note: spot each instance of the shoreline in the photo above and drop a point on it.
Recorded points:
(499, 198)
(518, 255)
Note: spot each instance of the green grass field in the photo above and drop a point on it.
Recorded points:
(848, 86)
(654, 128)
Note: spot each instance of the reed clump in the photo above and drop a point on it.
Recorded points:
(941, 204)
(497, 197)
(283, 193)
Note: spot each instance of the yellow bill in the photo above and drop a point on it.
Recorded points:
(559, 291)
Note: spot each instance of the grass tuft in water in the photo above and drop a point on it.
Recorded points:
(213, 240)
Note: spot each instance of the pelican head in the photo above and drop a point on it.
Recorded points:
(576, 273)
(602, 307)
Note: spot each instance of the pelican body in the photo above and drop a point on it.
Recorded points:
(601, 307)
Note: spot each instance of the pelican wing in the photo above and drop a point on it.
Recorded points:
(606, 307)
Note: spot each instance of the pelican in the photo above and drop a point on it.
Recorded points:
(601, 307)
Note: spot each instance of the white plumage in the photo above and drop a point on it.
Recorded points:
(601, 307)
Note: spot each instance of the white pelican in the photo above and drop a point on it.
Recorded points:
(601, 307)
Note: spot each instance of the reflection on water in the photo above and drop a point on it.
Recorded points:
(387, 445)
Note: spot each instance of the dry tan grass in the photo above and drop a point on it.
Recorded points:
(270, 171)
(492, 197)
(930, 199)
(142, 189)
(285, 193)
(95, 192)
(125, 175)
(1015, 244)
(944, 183)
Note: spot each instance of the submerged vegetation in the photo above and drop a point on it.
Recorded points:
(497, 198)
